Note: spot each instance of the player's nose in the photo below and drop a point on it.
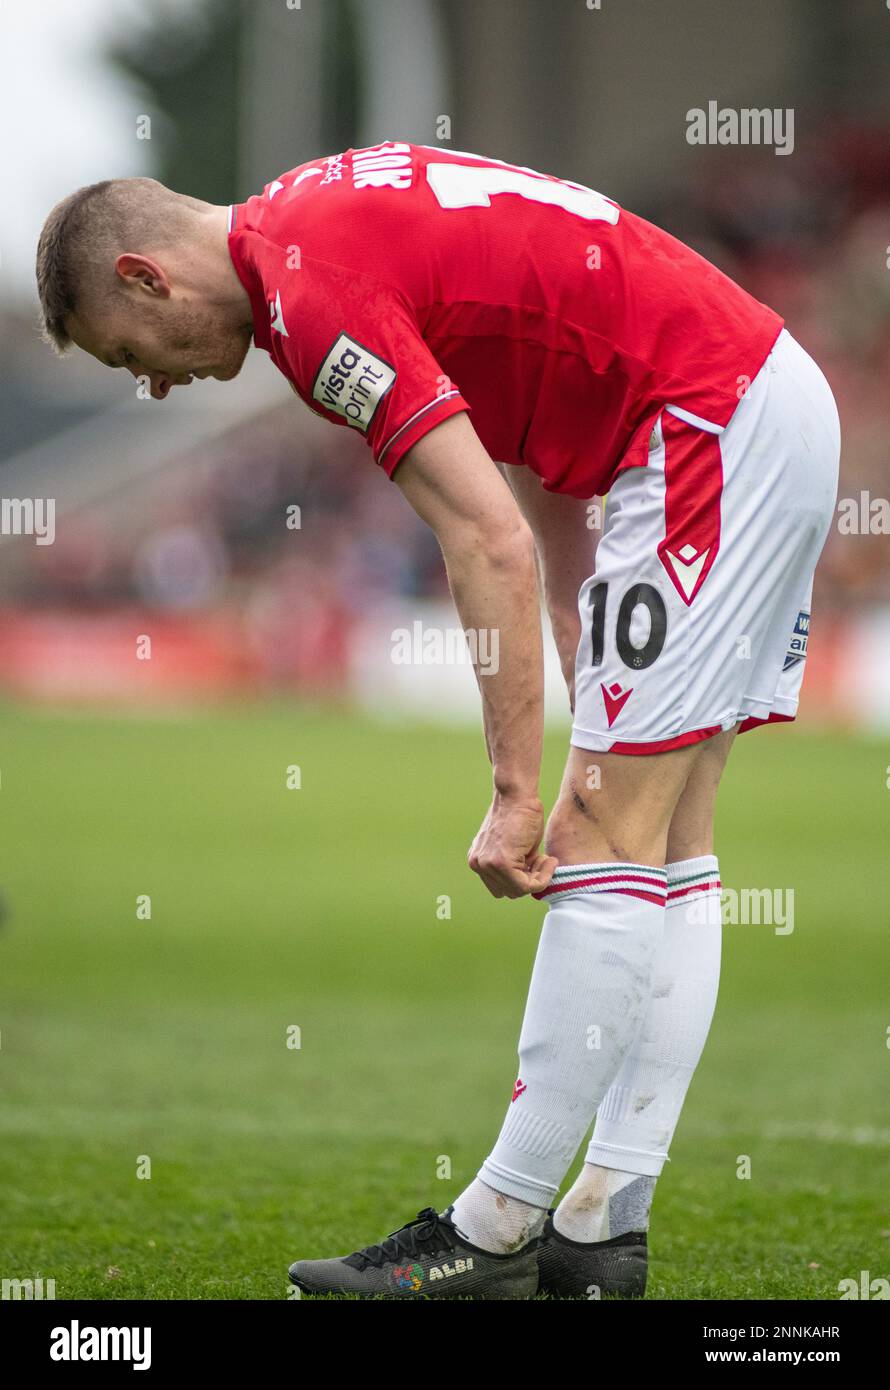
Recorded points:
(160, 385)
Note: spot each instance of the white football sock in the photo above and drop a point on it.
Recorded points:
(638, 1116)
(630, 1204)
(589, 990)
(587, 1211)
(494, 1221)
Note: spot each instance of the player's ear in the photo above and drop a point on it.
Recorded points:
(142, 273)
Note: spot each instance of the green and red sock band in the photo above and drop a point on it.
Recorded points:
(630, 880)
(694, 885)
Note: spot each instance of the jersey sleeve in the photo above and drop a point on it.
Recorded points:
(356, 355)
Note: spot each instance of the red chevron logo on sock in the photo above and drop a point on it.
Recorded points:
(518, 1089)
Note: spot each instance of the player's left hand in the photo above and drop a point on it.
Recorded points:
(505, 852)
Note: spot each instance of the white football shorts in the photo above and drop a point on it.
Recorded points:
(698, 613)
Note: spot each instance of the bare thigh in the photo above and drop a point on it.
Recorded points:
(691, 831)
(616, 808)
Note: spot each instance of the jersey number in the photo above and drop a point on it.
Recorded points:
(637, 658)
(474, 185)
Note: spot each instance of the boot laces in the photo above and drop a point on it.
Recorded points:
(427, 1233)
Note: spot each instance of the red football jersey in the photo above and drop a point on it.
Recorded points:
(396, 285)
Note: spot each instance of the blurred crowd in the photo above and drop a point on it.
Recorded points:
(809, 235)
(295, 542)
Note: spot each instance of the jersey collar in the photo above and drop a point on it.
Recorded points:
(240, 238)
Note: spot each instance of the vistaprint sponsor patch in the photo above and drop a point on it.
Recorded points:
(352, 382)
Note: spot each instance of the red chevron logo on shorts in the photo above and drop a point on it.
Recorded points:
(614, 698)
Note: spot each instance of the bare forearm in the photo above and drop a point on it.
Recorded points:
(565, 624)
(565, 531)
(495, 592)
(489, 553)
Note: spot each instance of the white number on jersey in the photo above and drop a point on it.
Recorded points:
(473, 185)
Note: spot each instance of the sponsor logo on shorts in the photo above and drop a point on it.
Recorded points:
(352, 382)
(797, 647)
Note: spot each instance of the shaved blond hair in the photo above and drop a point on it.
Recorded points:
(86, 232)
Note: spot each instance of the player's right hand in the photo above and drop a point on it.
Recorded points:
(505, 853)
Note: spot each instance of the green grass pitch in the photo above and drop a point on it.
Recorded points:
(318, 907)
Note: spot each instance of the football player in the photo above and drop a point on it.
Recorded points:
(512, 345)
